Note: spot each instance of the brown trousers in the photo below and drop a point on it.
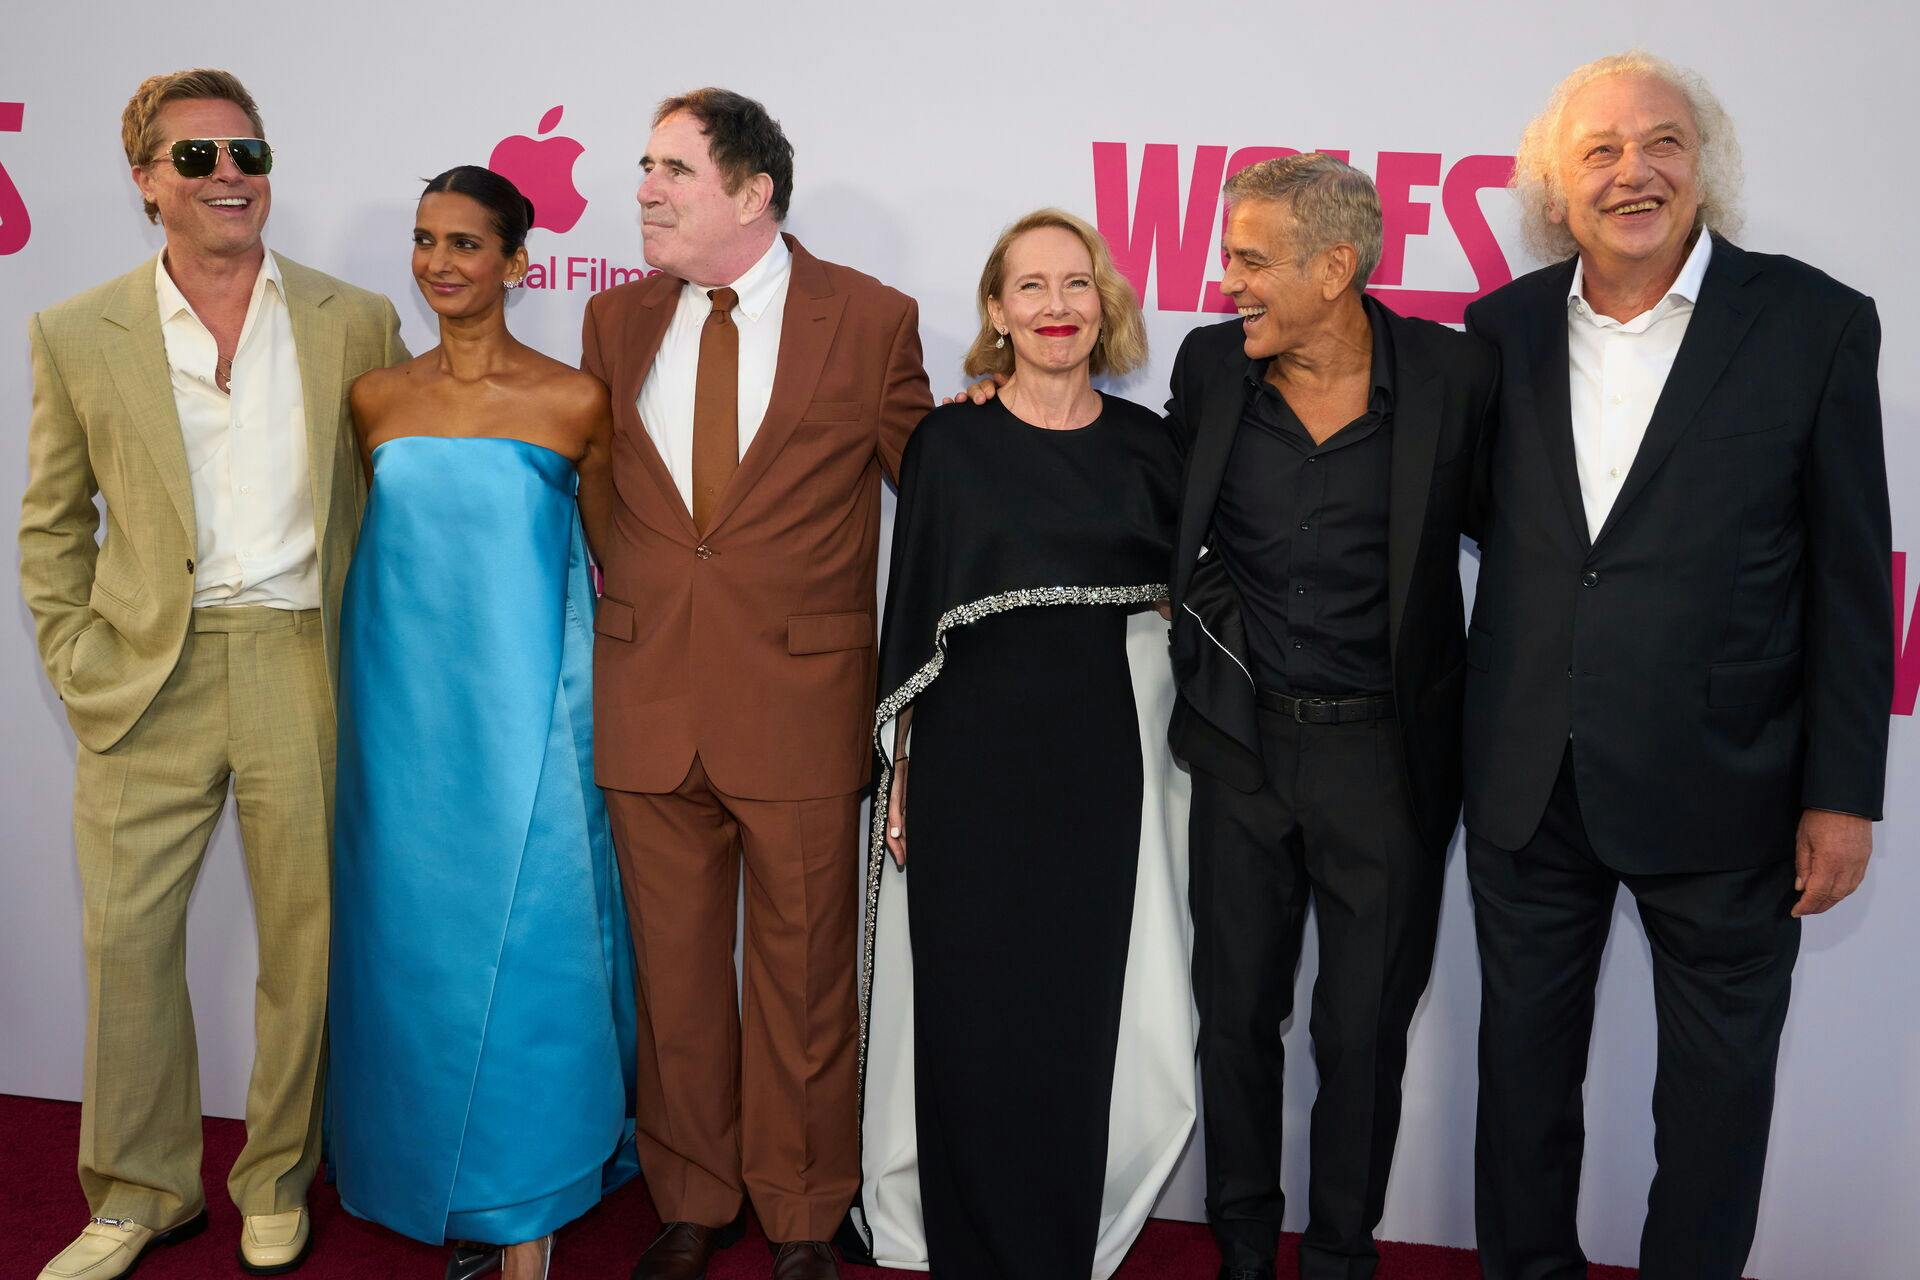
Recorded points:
(745, 1092)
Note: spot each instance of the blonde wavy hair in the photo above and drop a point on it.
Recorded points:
(1122, 344)
(1719, 170)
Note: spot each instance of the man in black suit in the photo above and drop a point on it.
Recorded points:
(1318, 647)
(1679, 676)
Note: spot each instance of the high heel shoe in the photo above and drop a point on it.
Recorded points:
(472, 1260)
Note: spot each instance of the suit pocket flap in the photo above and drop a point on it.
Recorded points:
(832, 411)
(827, 632)
(1725, 426)
(613, 618)
(1739, 684)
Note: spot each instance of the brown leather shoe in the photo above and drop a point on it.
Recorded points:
(683, 1250)
(805, 1260)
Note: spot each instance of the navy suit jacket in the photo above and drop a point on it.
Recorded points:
(1719, 653)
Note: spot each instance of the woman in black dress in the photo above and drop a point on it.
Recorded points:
(1028, 529)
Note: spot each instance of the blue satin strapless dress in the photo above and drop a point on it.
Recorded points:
(482, 1006)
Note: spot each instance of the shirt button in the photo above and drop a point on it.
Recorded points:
(1313, 457)
(1304, 526)
(246, 488)
(1299, 591)
(1299, 644)
(1618, 398)
(1589, 579)
(1614, 472)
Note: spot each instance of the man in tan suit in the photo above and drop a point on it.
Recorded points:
(758, 392)
(202, 395)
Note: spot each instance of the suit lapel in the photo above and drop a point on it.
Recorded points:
(136, 360)
(1553, 400)
(1720, 320)
(807, 327)
(1222, 398)
(639, 342)
(320, 344)
(1414, 442)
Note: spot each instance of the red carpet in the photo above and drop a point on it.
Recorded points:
(44, 1210)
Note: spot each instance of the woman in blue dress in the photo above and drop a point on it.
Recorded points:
(482, 1001)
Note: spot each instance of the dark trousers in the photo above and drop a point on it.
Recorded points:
(1333, 823)
(1723, 954)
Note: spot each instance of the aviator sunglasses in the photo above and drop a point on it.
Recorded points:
(196, 157)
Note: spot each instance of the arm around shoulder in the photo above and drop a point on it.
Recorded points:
(906, 397)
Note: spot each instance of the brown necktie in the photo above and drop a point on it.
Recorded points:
(716, 407)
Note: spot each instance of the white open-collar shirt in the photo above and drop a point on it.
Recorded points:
(666, 397)
(246, 451)
(1616, 370)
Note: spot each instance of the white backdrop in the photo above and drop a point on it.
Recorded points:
(918, 136)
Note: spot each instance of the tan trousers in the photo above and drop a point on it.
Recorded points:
(249, 701)
(762, 1101)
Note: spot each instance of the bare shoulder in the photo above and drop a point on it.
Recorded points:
(376, 387)
(571, 393)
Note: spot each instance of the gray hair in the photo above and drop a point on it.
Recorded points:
(1719, 168)
(1332, 202)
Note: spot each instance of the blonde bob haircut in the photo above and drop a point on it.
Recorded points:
(140, 122)
(1122, 344)
(1535, 184)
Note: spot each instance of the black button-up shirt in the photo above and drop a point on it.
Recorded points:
(1302, 528)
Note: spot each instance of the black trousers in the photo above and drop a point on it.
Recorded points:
(1333, 824)
(1723, 953)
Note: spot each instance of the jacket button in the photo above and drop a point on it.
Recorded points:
(189, 566)
(1589, 579)
(704, 551)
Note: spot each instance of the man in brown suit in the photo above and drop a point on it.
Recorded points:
(757, 393)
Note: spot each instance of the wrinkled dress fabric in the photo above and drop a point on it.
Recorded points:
(481, 1016)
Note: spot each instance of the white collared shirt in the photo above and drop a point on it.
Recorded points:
(246, 451)
(1616, 370)
(666, 397)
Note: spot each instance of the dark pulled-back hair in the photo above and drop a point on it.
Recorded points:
(743, 138)
(512, 212)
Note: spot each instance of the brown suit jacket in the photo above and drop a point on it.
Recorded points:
(753, 648)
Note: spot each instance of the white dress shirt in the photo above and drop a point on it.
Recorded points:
(246, 451)
(666, 397)
(1616, 370)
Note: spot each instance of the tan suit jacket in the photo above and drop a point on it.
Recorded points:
(111, 617)
(753, 647)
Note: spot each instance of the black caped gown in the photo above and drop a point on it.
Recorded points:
(1018, 553)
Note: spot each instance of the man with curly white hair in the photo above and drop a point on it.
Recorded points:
(1679, 676)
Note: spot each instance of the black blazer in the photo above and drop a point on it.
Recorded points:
(1444, 385)
(1719, 652)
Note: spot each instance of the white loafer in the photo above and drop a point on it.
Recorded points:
(111, 1247)
(272, 1244)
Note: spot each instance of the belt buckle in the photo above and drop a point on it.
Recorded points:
(1300, 706)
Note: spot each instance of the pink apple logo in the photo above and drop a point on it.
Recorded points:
(15, 225)
(543, 170)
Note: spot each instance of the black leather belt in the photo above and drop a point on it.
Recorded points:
(1327, 710)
